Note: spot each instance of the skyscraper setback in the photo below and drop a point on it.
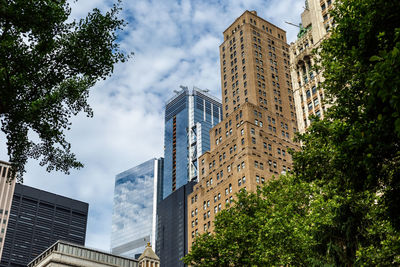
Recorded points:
(251, 143)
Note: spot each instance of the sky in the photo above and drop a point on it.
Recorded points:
(175, 42)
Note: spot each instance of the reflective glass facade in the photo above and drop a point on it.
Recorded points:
(188, 118)
(136, 194)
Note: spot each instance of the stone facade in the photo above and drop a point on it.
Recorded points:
(251, 144)
(6, 194)
(308, 94)
(64, 254)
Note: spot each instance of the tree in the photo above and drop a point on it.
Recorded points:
(356, 150)
(47, 66)
(272, 227)
(350, 160)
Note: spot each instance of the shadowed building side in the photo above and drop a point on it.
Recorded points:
(37, 220)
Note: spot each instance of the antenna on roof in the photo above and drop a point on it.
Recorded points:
(298, 26)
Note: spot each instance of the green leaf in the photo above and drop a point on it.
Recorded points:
(375, 58)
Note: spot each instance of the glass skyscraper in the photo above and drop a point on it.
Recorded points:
(189, 116)
(136, 194)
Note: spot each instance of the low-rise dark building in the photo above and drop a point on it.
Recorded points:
(37, 220)
(172, 227)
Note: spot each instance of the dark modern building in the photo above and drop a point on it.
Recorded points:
(189, 116)
(37, 220)
(172, 227)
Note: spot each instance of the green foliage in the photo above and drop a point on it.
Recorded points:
(356, 150)
(269, 228)
(47, 66)
(342, 205)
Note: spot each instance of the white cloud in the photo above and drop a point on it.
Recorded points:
(175, 43)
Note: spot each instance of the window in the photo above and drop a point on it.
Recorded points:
(252, 131)
(230, 188)
(314, 89)
(253, 140)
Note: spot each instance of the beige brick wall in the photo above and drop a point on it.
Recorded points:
(251, 143)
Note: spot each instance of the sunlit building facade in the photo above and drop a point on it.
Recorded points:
(189, 116)
(308, 93)
(251, 144)
(6, 196)
(136, 194)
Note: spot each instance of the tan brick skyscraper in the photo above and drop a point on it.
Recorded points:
(251, 143)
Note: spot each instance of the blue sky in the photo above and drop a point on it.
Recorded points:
(175, 43)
